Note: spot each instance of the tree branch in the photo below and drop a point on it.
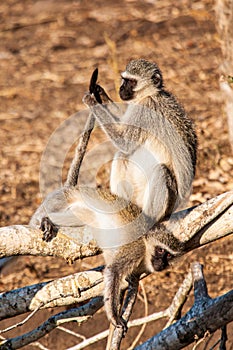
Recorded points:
(194, 227)
(204, 223)
(25, 240)
(81, 314)
(205, 315)
(64, 291)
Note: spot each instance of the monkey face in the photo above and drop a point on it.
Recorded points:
(160, 259)
(127, 89)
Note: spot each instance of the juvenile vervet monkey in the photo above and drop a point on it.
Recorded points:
(152, 252)
(113, 221)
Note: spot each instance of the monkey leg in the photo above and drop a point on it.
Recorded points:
(48, 228)
(161, 195)
(131, 297)
(132, 291)
(112, 296)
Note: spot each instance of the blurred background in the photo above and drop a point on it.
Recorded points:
(48, 50)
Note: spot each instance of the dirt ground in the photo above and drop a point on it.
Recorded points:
(48, 50)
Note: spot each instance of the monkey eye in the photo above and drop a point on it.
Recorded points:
(160, 250)
(133, 82)
(130, 82)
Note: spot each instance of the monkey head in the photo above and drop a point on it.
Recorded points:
(140, 79)
(160, 259)
(161, 249)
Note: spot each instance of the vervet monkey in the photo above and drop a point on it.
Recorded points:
(152, 252)
(156, 141)
(113, 220)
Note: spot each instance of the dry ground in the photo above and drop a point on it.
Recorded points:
(48, 50)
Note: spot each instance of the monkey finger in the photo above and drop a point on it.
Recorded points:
(102, 95)
(121, 323)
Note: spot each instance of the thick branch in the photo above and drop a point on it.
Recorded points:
(64, 291)
(206, 315)
(204, 223)
(24, 240)
(195, 226)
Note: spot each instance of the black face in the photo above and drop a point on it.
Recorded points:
(126, 90)
(160, 259)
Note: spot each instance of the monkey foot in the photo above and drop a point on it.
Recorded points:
(121, 323)
(48, 228)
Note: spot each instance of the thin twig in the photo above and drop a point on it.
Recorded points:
(18, 26)
(200, 341)
(91, 340)
(21, 323)
(68, 331)
(179, 299)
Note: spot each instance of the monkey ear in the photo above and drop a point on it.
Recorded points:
(157, 80)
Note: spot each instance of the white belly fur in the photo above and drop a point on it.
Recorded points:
(131, 174)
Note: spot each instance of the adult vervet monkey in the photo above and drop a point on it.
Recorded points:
(156, 141)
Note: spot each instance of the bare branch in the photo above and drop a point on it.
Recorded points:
(81, 314)
(204, 223)
(90, 341)
(25, 240)
(68, 290)
(206, 315)
(179, 299)
(140, 333)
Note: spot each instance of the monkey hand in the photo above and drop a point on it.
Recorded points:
(89, 100)
(98, 95)
(101, 95)
(48, 228)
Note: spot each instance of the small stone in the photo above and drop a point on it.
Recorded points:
(226, 164)
(214, 174)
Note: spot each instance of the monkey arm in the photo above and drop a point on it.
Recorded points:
(124, 136)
